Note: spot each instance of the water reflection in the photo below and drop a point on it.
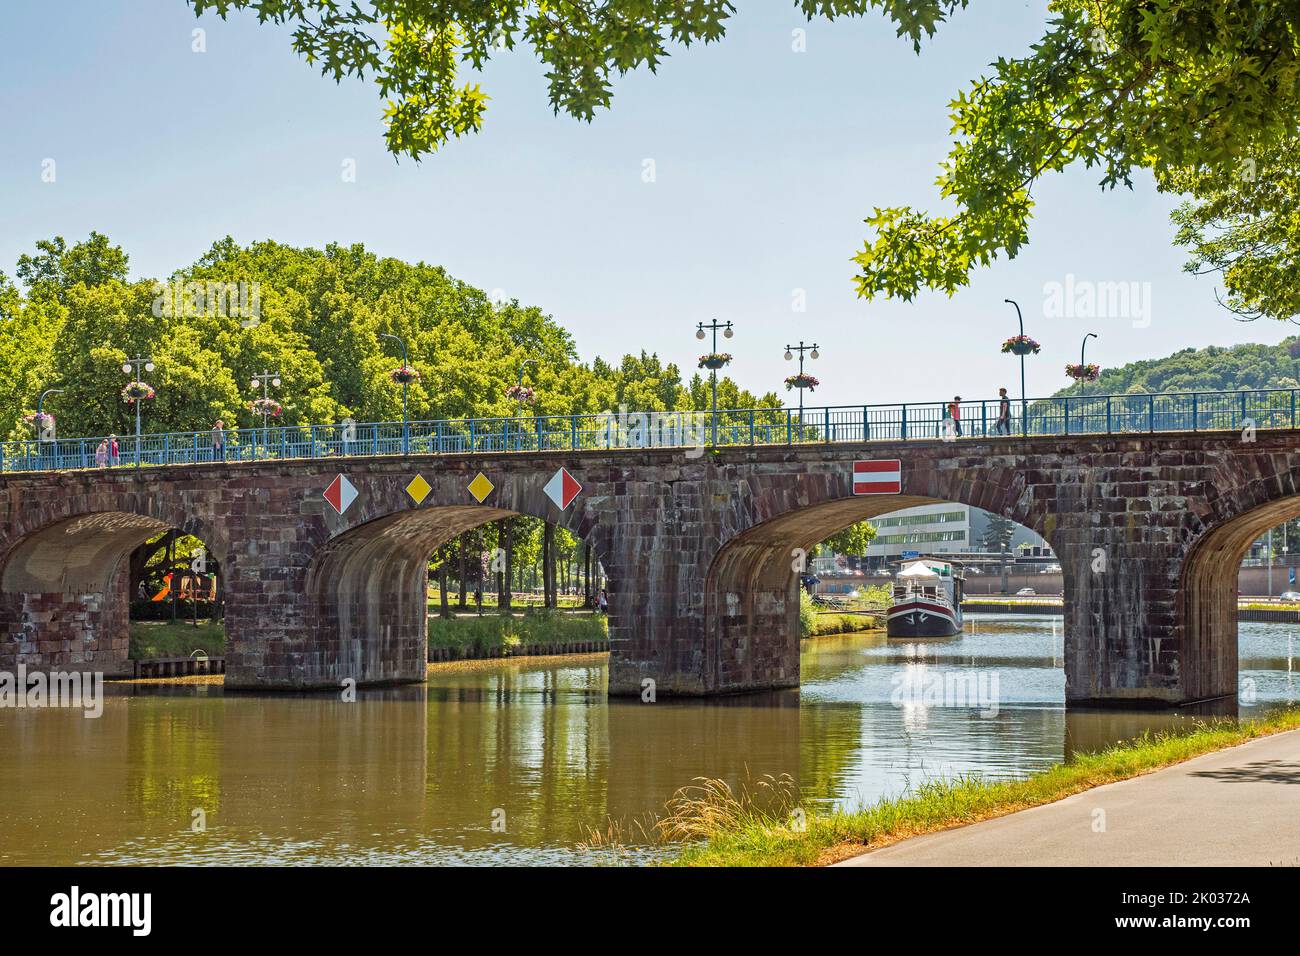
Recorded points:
(518, 763)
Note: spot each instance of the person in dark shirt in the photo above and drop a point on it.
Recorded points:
(1003, 424)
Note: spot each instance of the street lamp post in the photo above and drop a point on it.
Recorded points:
(789, 356)
(132, 366)
(406, 429)
(265, 380)
(40, 403)
(1024, 406)
(1083, 349)
(519, 398)
(714, 326)
(40, 428)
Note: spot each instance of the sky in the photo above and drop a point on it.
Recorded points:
(766, 160)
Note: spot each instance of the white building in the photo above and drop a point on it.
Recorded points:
(929, 529)
(944, 528)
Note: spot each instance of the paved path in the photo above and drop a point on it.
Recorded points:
(1235, 807)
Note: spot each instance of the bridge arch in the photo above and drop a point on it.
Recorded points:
(752, 582)
(366, 585)
(64, 581)
(1206, 615)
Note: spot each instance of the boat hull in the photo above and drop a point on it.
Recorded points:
(922, 619)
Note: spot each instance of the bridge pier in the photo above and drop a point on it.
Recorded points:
(1130, 632)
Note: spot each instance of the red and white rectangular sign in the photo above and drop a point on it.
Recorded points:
(878, 476)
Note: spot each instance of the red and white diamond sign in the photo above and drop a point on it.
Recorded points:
(562, 488)
(878, 476)
(340, 494)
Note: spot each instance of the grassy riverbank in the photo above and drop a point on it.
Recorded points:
(179, 639)
(824, 625)
(814, 622)
(492, 632)
(734, 831)
(487, 633)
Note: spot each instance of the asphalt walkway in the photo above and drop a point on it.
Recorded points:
(1235, 807)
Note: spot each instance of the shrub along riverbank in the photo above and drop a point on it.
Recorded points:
(816, 623)
(735, 832)
(497, 634)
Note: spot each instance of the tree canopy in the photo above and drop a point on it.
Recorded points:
(1202, 93)
(314, 316)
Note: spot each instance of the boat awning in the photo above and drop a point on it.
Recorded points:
(917, 570)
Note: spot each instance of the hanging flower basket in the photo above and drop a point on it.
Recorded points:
(266, 407)
(1021, 345)
(404, 374)
(1083, 373)
(39, 420)
(521, 394)
(715, 360)
(802, 380)
(137, 392)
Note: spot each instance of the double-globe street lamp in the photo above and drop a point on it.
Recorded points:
(714, 326)
(132, 367)
(265, 380)
(800, 381)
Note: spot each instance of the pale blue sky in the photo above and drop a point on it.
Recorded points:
(767, 161)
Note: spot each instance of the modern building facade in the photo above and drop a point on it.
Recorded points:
(943, 529)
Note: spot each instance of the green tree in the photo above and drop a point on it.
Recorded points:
(1191, 90)
(1246, 227)
(997, 533)
(852, 540)
(57, 267)
(320, 320)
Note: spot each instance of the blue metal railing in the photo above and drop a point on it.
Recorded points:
(1265, 409)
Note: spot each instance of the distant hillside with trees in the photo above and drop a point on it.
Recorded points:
(1209, 369)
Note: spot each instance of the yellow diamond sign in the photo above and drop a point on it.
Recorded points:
(480, 487)
(418, 489)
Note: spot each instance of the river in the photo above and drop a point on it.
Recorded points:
(517, 762)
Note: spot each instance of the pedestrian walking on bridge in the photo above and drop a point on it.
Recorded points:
(219, 441)
(1003, 424)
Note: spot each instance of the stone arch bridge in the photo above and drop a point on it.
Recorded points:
(1149, 531)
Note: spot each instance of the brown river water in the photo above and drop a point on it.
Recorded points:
(516, 762)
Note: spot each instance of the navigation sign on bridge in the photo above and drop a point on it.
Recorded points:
(878, 476)
(340, 494)
(562, 488)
